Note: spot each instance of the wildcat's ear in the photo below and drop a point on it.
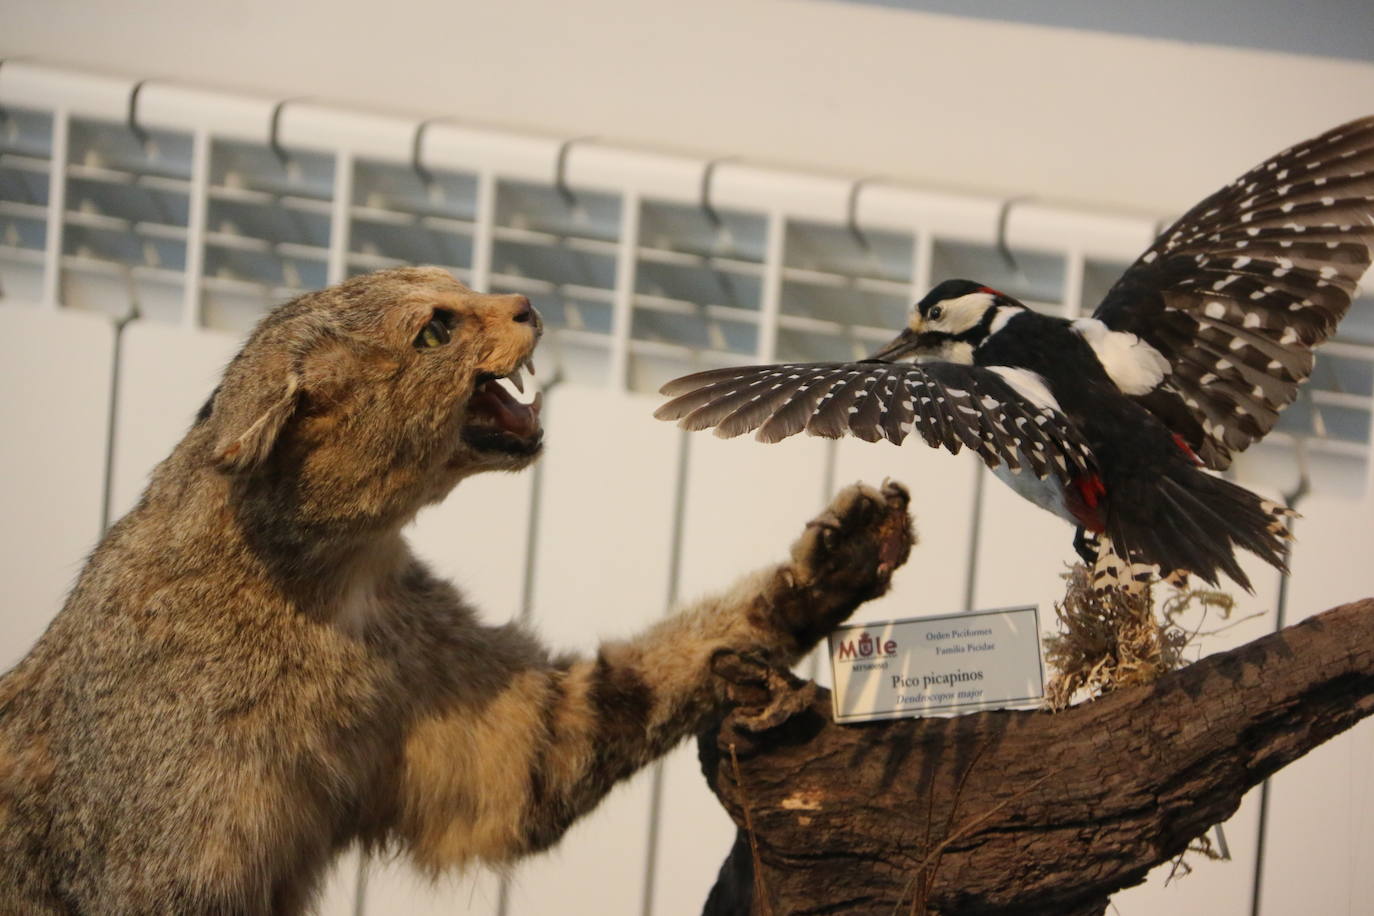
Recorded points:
(250, 422)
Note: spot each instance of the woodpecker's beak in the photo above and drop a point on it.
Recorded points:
(907, 343)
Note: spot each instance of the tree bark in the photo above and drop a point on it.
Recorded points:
(1014, 813)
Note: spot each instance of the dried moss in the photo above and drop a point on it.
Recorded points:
(1113, 640)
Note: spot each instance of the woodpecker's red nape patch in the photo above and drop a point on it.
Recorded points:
(990, 291)
(1187, 449)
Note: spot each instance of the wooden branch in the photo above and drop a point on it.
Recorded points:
(1015, 813)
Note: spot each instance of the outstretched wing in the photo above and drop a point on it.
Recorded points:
(951, 405)
(1237, 292)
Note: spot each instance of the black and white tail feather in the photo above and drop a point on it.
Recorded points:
(1231, 298)
(1186, 524)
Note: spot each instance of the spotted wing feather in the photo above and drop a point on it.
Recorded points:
(1239, 290)
(951, 405)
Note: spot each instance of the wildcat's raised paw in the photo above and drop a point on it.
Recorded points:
(857, 542)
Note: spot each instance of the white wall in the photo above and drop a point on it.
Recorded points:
(944, 101)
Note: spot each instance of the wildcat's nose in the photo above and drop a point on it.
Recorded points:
(526, 314)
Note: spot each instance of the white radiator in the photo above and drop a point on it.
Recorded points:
(144, 227)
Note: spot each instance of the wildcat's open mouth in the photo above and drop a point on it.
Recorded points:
(497, 422)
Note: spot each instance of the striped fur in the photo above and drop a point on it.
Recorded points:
(254, 672)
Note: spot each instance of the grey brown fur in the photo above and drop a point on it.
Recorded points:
(253, 672)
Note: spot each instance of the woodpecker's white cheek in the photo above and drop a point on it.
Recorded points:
(965, 313)
(1132, 364)
(957, 351)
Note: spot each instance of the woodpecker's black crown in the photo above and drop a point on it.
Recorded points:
(951, 289)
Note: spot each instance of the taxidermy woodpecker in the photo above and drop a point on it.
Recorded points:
(1110, 421)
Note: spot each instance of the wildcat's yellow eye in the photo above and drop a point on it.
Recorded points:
(435, 333)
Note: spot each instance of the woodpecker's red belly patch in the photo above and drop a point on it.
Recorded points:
(1085, 498)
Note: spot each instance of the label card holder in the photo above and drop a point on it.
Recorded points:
(944, 665)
